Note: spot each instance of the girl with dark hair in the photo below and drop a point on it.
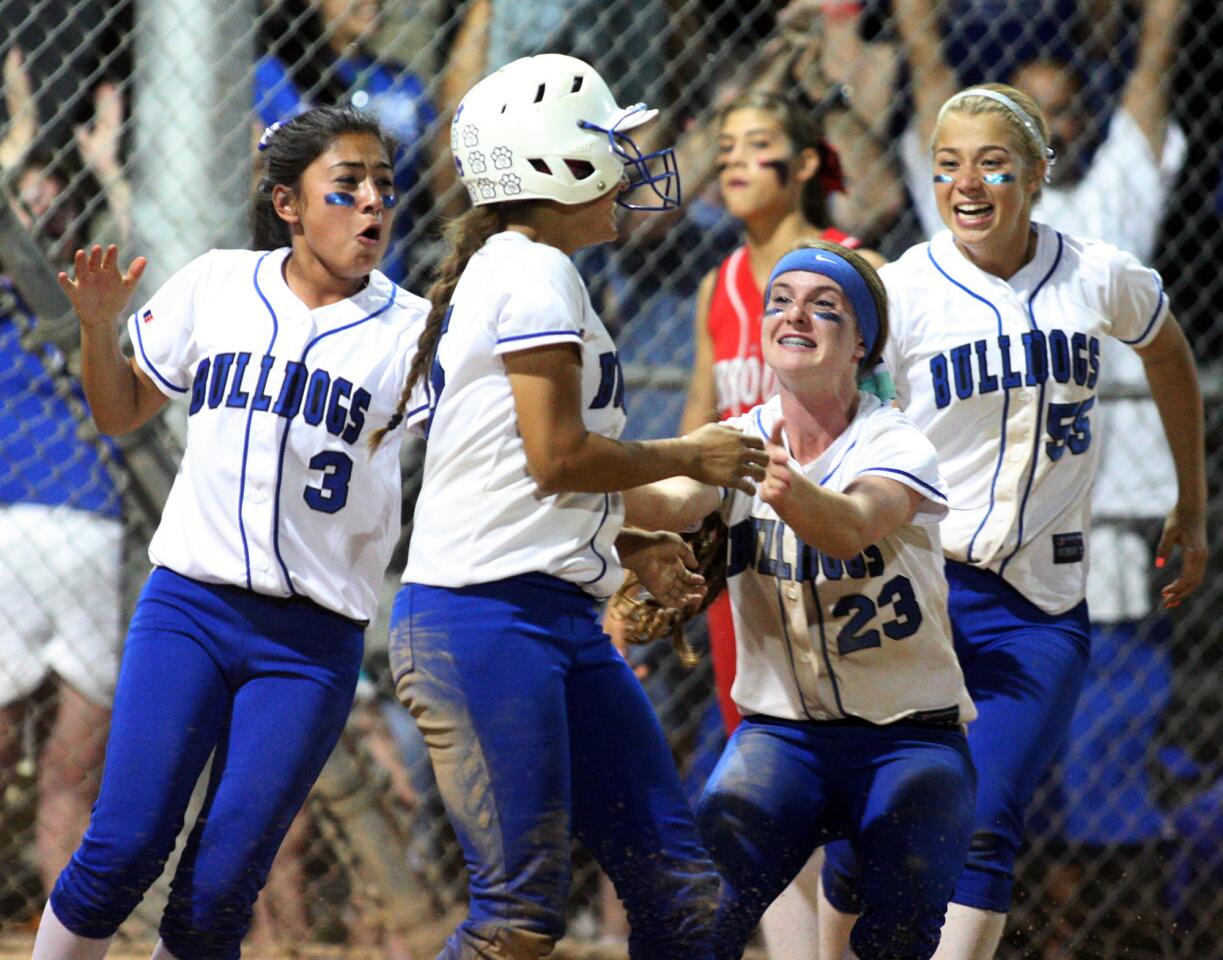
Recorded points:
(246, 641)
(316, 52)
(537, 729)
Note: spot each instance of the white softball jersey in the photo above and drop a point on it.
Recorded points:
(1002, 376)
(480, 517)
(819, 638)
(278, 491)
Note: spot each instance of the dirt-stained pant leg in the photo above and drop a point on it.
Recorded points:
(483, 674)
(523, 702)
(629, 810)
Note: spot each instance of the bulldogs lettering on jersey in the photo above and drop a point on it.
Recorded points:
(479, 506)
(821, 638)
(1002, 376)
(322, 399)
(280, 399)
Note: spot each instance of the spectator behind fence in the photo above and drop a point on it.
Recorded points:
(61, 558)
(1113, 188)
(61, 530)
(998, 323)
(247, 637)
(315, 52)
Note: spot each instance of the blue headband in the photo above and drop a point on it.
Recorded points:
(835, 267)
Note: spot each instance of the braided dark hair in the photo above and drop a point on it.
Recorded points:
(285, 152)
(464, 236)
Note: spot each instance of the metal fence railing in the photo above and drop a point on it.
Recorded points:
(133, 121)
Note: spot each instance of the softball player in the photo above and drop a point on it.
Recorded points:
(536, 728)
(852, 698)
(775, 174)
(996, 352)
(778, 176)
(247, 637)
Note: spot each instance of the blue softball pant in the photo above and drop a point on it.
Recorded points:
(539, 732)
(902, 794)
(1024, 669)
(268, 685)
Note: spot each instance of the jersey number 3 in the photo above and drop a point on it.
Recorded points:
(330, 495)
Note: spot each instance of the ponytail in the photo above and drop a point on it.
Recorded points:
(464, 236)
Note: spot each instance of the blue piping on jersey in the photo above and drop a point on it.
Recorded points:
(602, 559)
(760, 424)
(284, 440)
(930, 491)
(544, 333)
(149, 363)
(785, 636)
(836, 689)
(1040, 416)
(1006, 403)
(1154, 316)
(828, 476)
(246, 439)
(764, 433)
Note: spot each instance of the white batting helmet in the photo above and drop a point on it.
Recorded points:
(547, 127)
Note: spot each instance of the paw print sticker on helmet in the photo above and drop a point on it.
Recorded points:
(502, 157)
(552, 122)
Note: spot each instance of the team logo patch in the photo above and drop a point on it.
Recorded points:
(147, 316)
(1067, 547)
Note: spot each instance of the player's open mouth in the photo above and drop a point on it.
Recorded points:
(371, 234)
(793, 340)
(972, 214)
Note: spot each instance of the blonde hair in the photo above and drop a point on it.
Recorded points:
(464, 236)
(1030, 129)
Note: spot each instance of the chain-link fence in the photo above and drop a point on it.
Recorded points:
(133, 121)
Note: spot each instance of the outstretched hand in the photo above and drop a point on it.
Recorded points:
(22, 126)
(778, 479)
(98, 140)
(727, 457)
(100, 291)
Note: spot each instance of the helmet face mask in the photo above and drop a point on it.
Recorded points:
(655, 173)
(548, 128)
